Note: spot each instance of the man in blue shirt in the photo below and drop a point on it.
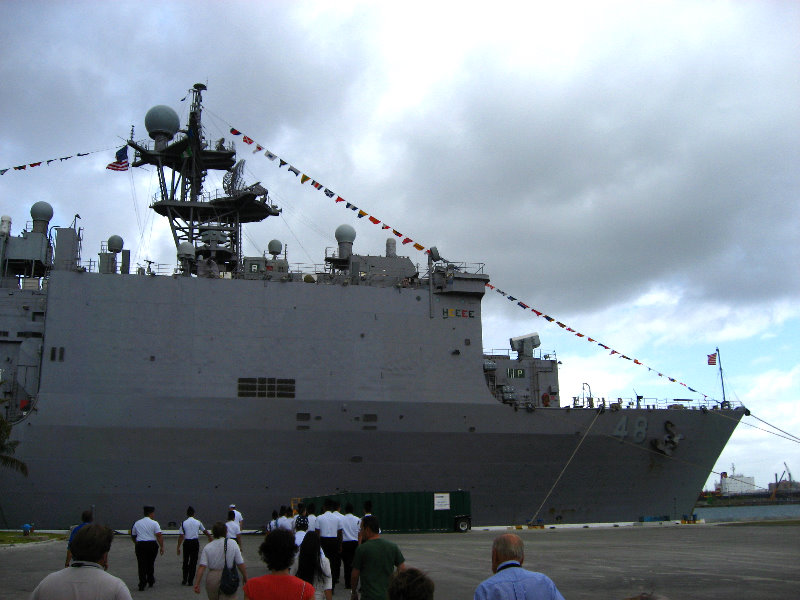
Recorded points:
(86, 518)
(510, 581)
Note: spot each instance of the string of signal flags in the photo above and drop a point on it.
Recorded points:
(360, 214)
(121, 164)
(60, 159)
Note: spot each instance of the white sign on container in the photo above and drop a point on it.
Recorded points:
(441, 501)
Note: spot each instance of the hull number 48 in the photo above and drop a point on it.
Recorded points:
(636, 430)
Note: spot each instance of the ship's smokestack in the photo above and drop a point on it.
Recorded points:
(391, 247)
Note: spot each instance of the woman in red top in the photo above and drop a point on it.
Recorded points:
(278, 550)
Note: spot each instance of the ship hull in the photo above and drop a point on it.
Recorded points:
(144, 400)
(260, 462)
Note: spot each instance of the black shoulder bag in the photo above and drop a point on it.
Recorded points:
(229, 581)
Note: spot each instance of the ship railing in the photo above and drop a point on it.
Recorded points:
(92, 266)
(505, 353)
(307, 268)
(205, 197)
(651, 403)
(462, 267)
(149, 144)
(324, 274)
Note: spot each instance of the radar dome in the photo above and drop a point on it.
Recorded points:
(115, 244)
(274, 247)
(41, 211)
(345, 233)
(186, 250)
(162, 120)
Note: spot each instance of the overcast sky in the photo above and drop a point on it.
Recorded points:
(629, 168)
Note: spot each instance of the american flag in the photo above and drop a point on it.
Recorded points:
(121, 164)
(712, 359)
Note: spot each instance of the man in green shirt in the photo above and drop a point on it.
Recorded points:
(374, 562)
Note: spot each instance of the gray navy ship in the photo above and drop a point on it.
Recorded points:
(238, 379)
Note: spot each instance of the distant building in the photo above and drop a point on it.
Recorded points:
(784, 487)
(737, 484)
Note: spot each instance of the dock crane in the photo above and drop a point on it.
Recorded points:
(778, 482)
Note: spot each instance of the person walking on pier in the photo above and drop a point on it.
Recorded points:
(374, 562)
(329, 527)
(86, 576)
(411, 584)
(351, 527)
(215, 556)
(146, 533)
(312, 566)
(311, 513)
(510, 580)
(86, 517)
(188, 535)
(285, 519)
(234, 533)
(237, 515)
(278, 551)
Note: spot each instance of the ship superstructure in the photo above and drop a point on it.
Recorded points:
(238, 378)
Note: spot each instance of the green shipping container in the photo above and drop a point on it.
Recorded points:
(405, 512)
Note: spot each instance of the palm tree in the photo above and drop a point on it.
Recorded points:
(7, 448)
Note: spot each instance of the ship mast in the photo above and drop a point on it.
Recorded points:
(206, 228)
(721, 379)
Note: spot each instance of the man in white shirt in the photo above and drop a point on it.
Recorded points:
(285, 520)
(86, 576)
(311, 513)
(237, 515)
(233, 531)
(351, 527)
(189, 534)
(329, 526)
(146, 532)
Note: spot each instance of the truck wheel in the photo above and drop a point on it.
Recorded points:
(462, 525)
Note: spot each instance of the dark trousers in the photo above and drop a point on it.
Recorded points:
(191, 548)
(146, 553)
(348, 550)
(330, 546)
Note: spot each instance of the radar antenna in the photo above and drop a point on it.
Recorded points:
(233, 181)
(202, 224)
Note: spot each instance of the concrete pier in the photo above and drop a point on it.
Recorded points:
(754, 561)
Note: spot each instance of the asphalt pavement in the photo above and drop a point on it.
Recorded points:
(699, 561)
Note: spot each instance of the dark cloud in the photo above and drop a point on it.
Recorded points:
(660, 152)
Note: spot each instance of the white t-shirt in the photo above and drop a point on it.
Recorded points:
(299, 536)
(351, 525)
(88, 582)
(211, 556)
(328, 524)
(237, 516)
(145, 530)
(191, 528)
(233, 530)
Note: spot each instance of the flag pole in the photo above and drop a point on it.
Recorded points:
(721, 380)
